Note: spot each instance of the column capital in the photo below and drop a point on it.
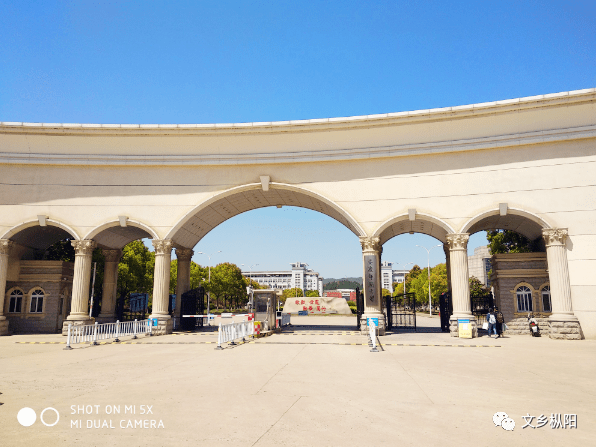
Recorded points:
(371, 243)
(458, 241)
(84, 247)
(555, 236)
(111, 255)
(5, 246)
(184, 254)
(162, 246)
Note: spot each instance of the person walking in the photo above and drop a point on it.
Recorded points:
(492, 323)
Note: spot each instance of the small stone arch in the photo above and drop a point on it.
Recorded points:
(33, 223)
(519, 220)
(423, 223)
(195, 224)
(112, 235)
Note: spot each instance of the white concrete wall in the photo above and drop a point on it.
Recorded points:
(536, 155)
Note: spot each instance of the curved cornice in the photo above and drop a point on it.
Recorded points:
(321, 124)
(500, 141)
(565, 99)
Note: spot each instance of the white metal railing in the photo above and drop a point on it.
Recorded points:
(372, 335)
(233, 331)
(93, 332)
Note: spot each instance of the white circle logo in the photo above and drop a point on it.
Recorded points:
(44, 422)
(26, 416)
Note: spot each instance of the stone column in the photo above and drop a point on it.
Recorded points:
(371, 282)
(184, 256)
(563, 322)
(460, 285)
(79, 309)
(5, 247)
(161, 286)
(110, 285)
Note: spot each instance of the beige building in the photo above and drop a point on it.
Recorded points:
(522, 164)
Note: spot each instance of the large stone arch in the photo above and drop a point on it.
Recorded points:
(225, 205)
(115, 236)
(422, 223)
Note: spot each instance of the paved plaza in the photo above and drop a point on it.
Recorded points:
(316, 384)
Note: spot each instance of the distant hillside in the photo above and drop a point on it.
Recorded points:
(342, 283)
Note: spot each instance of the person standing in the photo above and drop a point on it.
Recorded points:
(492, 323)
(500, 321)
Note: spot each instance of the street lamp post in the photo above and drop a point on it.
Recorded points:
(430, 306)
(409, 263)
(209, 292)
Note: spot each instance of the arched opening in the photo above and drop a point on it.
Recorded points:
(516, 266)
(212, 222)
(206, 216)
(39, 269)
(414, 263)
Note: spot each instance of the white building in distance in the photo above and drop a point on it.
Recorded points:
(300, 276)
(390, 276)
(479, 264)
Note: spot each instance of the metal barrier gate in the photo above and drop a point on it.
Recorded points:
(359, 306)
(401, 311)
(192, 303)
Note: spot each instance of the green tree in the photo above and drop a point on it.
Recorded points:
(135, 270)
(477, 288)
(385, 292)
(291, 293)
(507, 241)
(227, 285)
(411, 276)
(312, 293)
(438, 284)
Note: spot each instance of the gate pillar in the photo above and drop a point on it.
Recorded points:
(5, 247)
(563, 322)
(183, 255)
(371, 278)
(161, 286)
(110, 285)
(79, 308)
(458, 263)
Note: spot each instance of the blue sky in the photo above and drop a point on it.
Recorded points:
(208, 62)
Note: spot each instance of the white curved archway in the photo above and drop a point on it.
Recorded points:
(111, 235)
(32, 223)
(516, 219)
(225, 205)
(423, 223)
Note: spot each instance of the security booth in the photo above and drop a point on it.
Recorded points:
(265, 303)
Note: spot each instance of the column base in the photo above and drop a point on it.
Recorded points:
(364, 325)
(106, 318)
(84, 322)
(454, 327)
(4, 327)
(165, 325)
(565, 329)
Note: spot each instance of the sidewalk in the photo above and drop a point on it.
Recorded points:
(323, 388)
